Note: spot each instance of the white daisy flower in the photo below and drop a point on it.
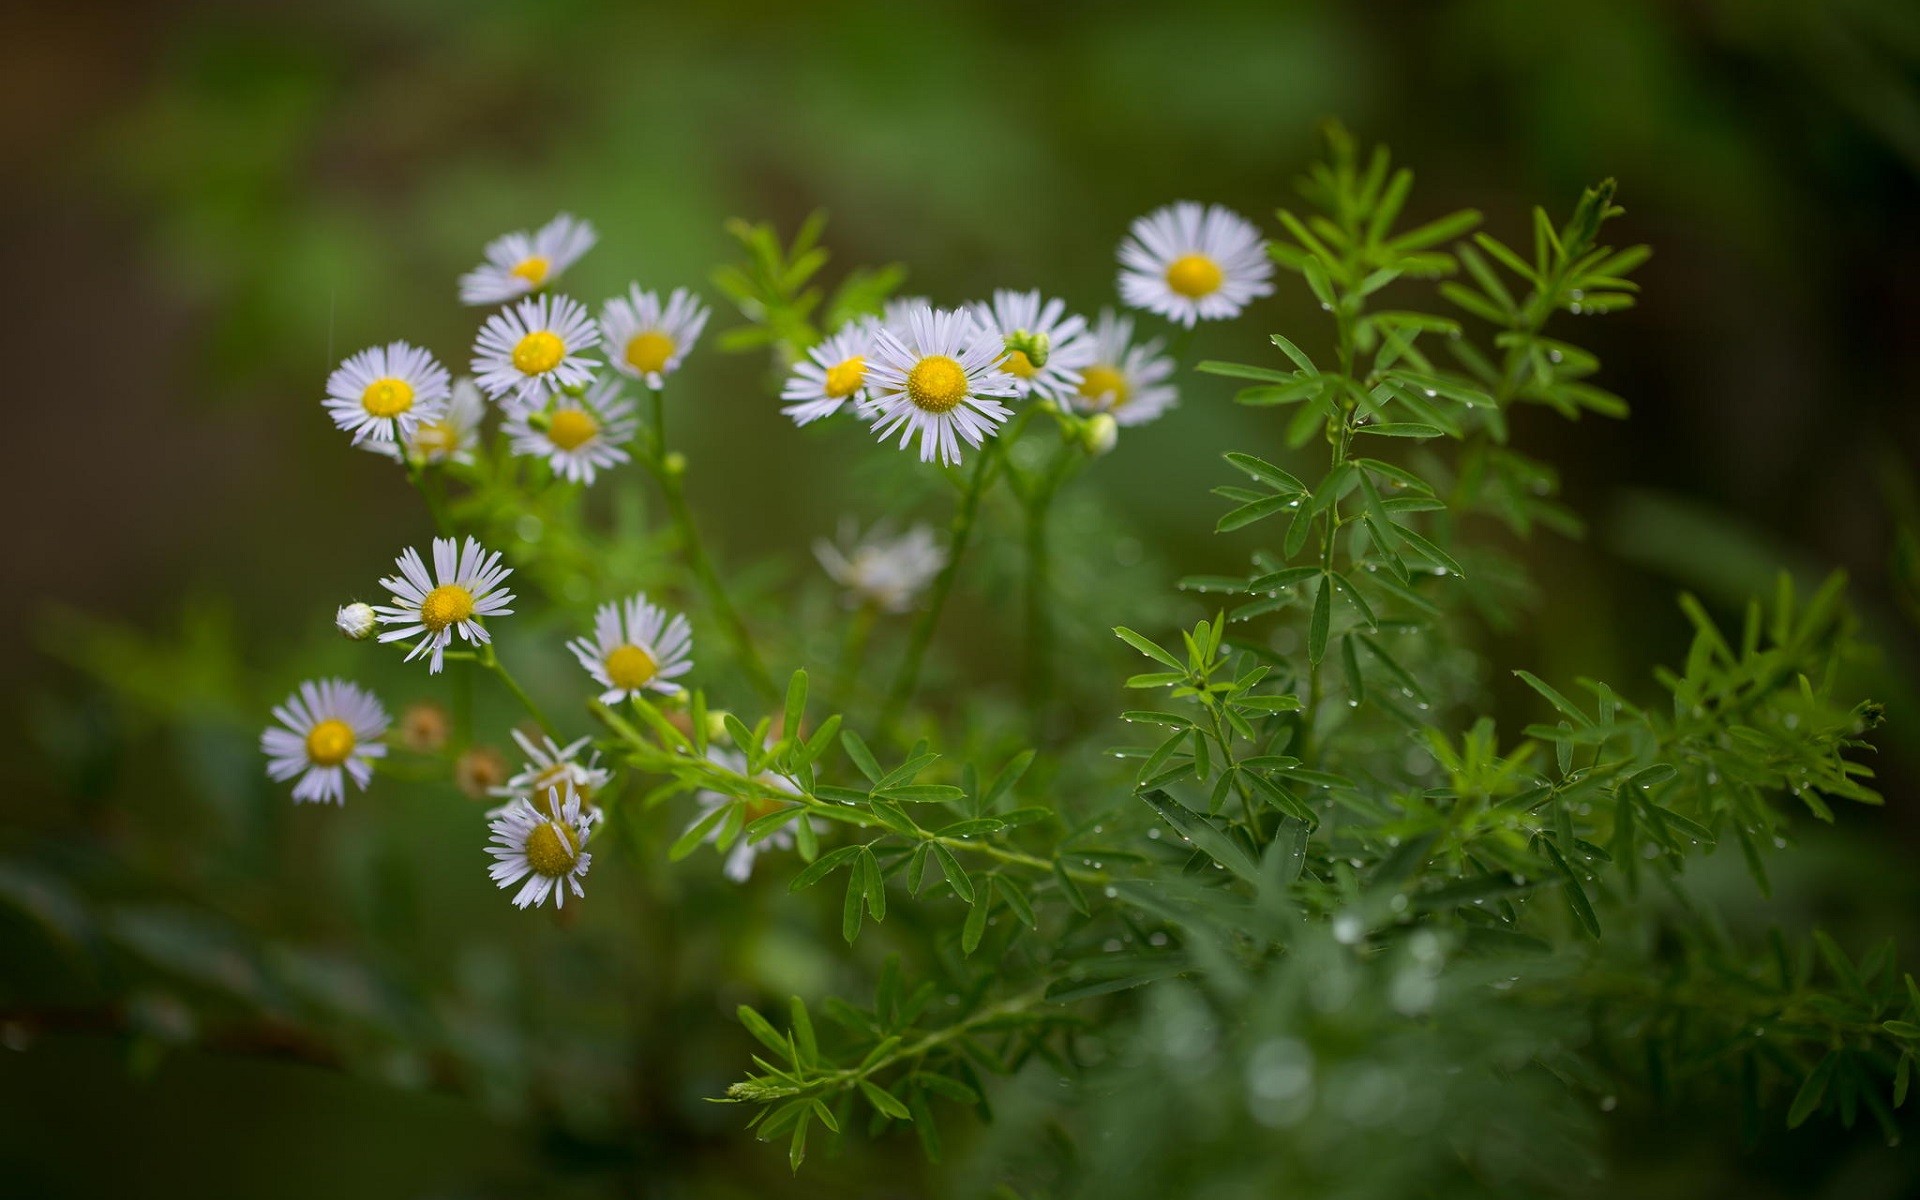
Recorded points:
(384, 389)
(1070, 348)
(535, 347)
(646, 339)
(464, 586)
(740, 858)
(550, 765)
(524, 262)
(1189, 263)
(833, 373)
(635, 647)
(547, 848)
(879, 569)
(895, 312)
(452, 437)
(577, 437)
(1127, 380)
(329, 732)
(936, 377)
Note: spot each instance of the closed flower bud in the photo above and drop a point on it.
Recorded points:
(1099, 435)
(424, 727)
(479, 771)
(1036, 346)
(355, 620)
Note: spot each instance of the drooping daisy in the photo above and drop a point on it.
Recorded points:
(833, 374)
(1125, 379)
(879, 569)
(328, 732)
(536, 347)
(635, 647)
(550, 765)
(523, 262)
(386, 388)
(464, 586)
(1070, 349)
(740, 857)
(452, 437)
(936, 377)
(1190, 262)
(547, 849)
(646, 339)
(577, 437)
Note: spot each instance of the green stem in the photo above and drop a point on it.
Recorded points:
(852, 651)
(1039, 656)
(491, 661)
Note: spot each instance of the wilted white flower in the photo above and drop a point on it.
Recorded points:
(577, 437)
(647, 339)
(1069, 349)
(535, 348)
(523, 262)
(1188, 263)
(355, 620)
(386, 388)
(936, 378)
(547, 849)
(635, 648)
(879, 569)
(328, 732)
(550, 765)
(740, 858)
(464, 586)
(833, 374)
(1126, 380)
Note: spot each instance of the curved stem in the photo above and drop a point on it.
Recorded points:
(1039, 647)
(491, 661)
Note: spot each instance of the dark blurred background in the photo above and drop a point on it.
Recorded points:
(210, 204)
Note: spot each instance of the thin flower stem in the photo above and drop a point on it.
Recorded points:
(491, 661)
(436, 506)
(852, 651)
(1039, 658)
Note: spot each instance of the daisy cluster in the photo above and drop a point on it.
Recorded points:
(557, 376)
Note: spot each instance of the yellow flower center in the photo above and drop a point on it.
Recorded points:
(630, 666)
(937, 384)
(551, 850)
(388, 397)
(445, 605)
(571, 428)
(538, 353)
(435, 437)
(533, 269)
(329, 743)
(1017, 363)
(844, 380)
(649, 351)
(1104, 383)
(1194, 276)
(558, 776)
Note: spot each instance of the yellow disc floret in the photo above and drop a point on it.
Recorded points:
(631, 666)
(329, 743)
(844, 379)
(1103, 383)
(387, 397)
(436, 437)
(533, 269)
(552, 850)
(1194, 276)
(538, 352)
(649, 351)
(1017, 363)
(937, 384)
(444, 606)
(571, 428)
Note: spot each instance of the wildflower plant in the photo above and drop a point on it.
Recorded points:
(1314, 895)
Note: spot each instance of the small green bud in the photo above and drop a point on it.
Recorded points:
(1099, 434)
(675, 463)
(1036, 346)
(717, 726)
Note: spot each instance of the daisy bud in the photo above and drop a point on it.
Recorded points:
(355, 620)
(1036, 346)
(676, 463)
(425, 727)
(1099, 434)
(481, 769)
(717, 727)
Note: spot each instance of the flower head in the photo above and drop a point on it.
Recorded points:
(833, 374)
(386, 390)
(452, 436)
(525, 262)
(647, 339)
(1125, 379)
(356, 621)
(546, 848)
(328, 733)
(1190, 262)
(879, 569)
(577, 437)
(740, 858)
(936, 377)
(464, 586)
(550, 765)
(535, 348)
(1011, 314)
(635, 648)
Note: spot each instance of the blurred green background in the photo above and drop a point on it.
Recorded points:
(211, 204)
